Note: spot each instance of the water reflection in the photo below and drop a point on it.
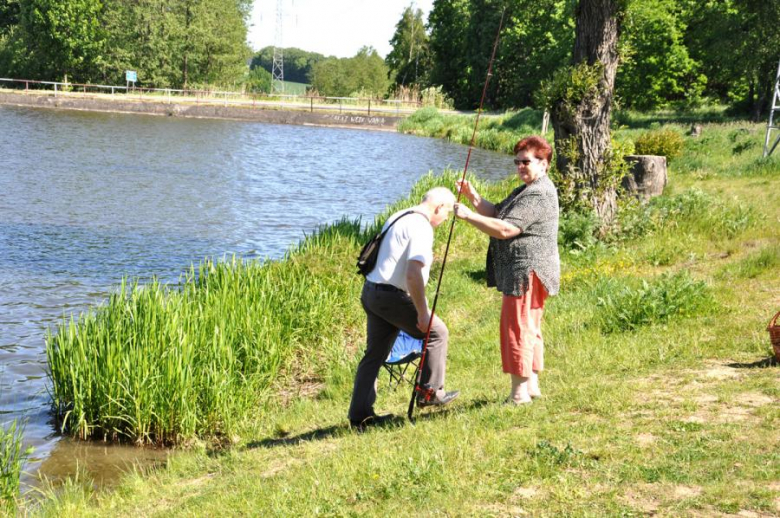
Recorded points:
(88, 198)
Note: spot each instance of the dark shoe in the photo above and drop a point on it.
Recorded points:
(448, 397)
(372, 420)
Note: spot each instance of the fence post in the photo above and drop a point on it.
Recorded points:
(339, 105)
(369, 107)
(55, 89)
(311, 108)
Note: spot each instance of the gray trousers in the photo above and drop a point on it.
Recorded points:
(387, 312)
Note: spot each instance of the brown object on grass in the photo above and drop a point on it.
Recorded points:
(774, 335)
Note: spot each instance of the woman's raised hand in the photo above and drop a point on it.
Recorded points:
(462, 212)
(464, 187)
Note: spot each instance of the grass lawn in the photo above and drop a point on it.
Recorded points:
(660, 397)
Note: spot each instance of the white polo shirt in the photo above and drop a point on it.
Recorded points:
(411, 239)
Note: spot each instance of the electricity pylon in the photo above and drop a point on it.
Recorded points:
(277, 69)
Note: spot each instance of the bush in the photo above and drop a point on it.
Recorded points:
(577, 230)
(663, 142)
(669, 297)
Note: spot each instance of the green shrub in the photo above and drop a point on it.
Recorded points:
(662, 142)
(624, 307)
(577, 230)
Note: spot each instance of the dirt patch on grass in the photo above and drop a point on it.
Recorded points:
(649, 499)
(683, 492)
(689, 390)
(525, 493)
(499, 510)
(721, 371)
(303, 388)
(645, 439)
(642, 501)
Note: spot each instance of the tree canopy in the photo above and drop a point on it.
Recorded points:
(672, 52)
(170, 43)
(363, 75)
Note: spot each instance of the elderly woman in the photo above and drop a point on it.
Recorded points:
(522, 261)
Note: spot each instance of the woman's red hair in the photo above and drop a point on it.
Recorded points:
(537, 145)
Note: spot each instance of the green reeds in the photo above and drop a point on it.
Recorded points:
(164, 365)
(12, 459)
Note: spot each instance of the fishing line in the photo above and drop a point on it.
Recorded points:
(418, 372)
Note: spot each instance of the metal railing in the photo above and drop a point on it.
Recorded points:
(216, 97)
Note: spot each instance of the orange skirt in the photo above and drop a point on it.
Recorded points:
(522, 347)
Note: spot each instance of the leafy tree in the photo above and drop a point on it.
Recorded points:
(298, 64)
(366, 72)
(449, 23)
(737, 42)
(63, 38)
(9, 15)
(409, 60)
(216, 42)
(537, 41)
(656, 67)
(258, 80)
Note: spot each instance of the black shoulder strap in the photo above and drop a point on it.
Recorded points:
(396, 219)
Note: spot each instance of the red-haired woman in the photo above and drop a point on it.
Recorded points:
(522, 261)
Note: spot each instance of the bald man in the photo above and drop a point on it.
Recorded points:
(394, 299)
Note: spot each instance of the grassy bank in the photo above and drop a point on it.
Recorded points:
(659, 395)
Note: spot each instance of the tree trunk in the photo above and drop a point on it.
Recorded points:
(583, 128)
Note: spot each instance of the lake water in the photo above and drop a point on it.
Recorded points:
(87, 198)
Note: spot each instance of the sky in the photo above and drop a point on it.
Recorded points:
(331, 27)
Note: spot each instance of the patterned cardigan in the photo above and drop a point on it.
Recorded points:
(534, 209)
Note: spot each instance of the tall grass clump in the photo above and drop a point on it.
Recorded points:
(692, 210)
(164, 365)
(754, 265)
(625, 307)
(12, 459)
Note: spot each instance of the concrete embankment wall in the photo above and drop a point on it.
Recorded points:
(209, 111)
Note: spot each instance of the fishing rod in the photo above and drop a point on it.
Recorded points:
(427, 394)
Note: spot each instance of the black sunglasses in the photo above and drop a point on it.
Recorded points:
(525, 161)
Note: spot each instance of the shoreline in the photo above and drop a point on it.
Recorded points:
(200, 110)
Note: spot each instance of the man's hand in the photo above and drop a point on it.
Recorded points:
(424, 319)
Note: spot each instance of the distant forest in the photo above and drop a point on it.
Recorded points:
(674, 53)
